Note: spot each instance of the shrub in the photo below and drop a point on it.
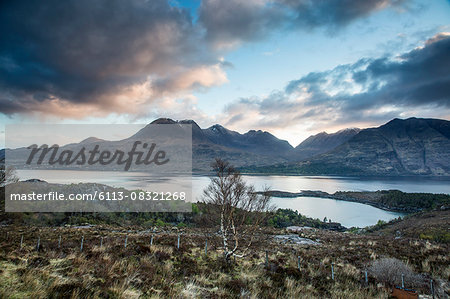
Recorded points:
(436, 235)
(160, 223)
(389, 271)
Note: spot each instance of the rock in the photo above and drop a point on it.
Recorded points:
(299, 228)
(294, 239)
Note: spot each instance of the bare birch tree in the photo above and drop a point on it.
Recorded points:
(236, 208)
(7, 175)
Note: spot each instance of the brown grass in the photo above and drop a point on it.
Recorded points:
(164, 271)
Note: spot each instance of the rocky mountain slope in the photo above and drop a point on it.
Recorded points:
(322, 143)
(400, 147)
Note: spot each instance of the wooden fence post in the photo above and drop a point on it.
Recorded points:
(298, 263)
(403, 281)
(59, 242)
(332, 271)
(151, 241)
(101, 242)
(38, 243)
(82, 241)
(21, 242)
(432, 288)
(206, 247)
(178, 243)
(365, 277)
(267, 259)
(126, 240)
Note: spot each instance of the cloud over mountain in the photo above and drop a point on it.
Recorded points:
(371, 89)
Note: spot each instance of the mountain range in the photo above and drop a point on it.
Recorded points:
(412, 146)
(400, 147)
(257, 148)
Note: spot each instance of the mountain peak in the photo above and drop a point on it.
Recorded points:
(323, 142)
(406, 120)
(257, 132)
(188, 122)
(163, 121)
(91, 140)
(321, 134)
(349, 130)
(218, 129)
(195, 126)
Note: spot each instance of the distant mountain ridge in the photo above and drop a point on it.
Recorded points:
(413, 146)
(260, 142)
(251, 148)
(409, 147)
(253, 141)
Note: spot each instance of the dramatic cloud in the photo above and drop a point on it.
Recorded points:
(233, 21)
(60, 56)
(369, 90)
(79, 58)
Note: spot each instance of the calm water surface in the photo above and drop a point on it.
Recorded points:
(347, 213)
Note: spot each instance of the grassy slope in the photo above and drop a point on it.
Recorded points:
(431, 225)
(162, 271)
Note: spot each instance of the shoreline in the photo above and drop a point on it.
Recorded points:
(323, 194)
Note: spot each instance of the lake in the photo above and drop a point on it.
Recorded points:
(347, 213)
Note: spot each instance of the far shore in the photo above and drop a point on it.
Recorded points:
(343, 197)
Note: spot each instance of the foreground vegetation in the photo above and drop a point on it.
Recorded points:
(107, 268)
(188, 255)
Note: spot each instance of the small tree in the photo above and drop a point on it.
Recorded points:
(236, 208)
(7, 175)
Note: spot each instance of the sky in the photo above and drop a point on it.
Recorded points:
(290, 67)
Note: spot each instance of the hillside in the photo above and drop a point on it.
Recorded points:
(322, 143)
(410, 147)
(429, 225)
(259, 142)
(400, 147)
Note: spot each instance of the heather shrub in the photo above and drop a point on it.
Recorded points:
(389, 271)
